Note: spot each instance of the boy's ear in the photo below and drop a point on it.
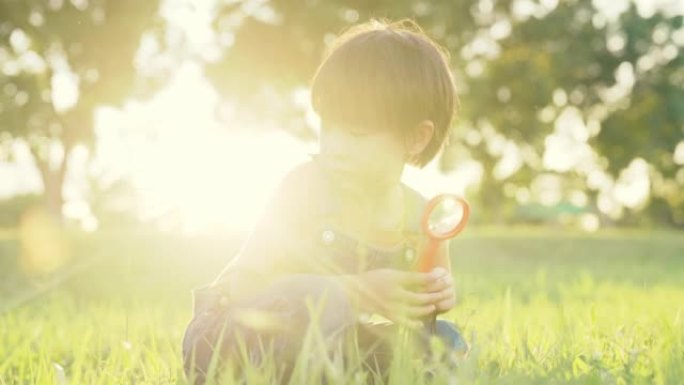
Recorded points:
(419, 138)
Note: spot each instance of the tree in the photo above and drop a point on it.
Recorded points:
(59, 60)
(625, 86)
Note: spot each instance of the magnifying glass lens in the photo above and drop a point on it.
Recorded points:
(445, 217)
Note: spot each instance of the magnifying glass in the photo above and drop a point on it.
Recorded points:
(445, 216)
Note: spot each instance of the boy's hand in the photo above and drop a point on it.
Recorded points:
(397, 295)
(443, 285)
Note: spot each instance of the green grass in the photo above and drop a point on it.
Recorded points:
(538, 307)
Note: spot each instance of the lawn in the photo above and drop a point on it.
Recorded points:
(544, 307)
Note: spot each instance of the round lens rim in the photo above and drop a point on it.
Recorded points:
(432, 203)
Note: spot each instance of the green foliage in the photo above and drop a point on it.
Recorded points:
(96, 41)
(47, 44)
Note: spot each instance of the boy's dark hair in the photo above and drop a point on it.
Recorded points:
(387, 76)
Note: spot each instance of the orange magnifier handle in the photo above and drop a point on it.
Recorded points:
(444, 217)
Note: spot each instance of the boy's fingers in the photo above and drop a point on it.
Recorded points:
(415, 278)
(422, 298)
(447, 304)
(441, 283)
(439, 271)
(446, 295)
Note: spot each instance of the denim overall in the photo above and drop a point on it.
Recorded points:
(215, 327)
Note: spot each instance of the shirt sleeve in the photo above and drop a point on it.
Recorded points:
(273, 246)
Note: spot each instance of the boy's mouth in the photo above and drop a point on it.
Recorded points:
(345, 172)
(341, 174)
(336, 166)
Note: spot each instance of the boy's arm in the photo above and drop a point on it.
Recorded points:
(270, 249)
(394, 294)
(356, 285)
(351, 284)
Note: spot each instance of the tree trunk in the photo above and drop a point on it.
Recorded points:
(53, 184)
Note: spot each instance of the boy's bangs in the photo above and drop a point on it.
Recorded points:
(358, 86)
(388, 77)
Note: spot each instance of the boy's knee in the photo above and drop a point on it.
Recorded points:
(210, 335)
(199, 346)
(294, 300)
(319, 296)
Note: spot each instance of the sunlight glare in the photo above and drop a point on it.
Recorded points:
(190, 170)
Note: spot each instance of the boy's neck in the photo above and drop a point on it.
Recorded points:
(367, 214)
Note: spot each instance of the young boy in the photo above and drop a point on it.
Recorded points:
(342, 230)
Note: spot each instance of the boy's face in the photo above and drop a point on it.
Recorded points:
(360, 159)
